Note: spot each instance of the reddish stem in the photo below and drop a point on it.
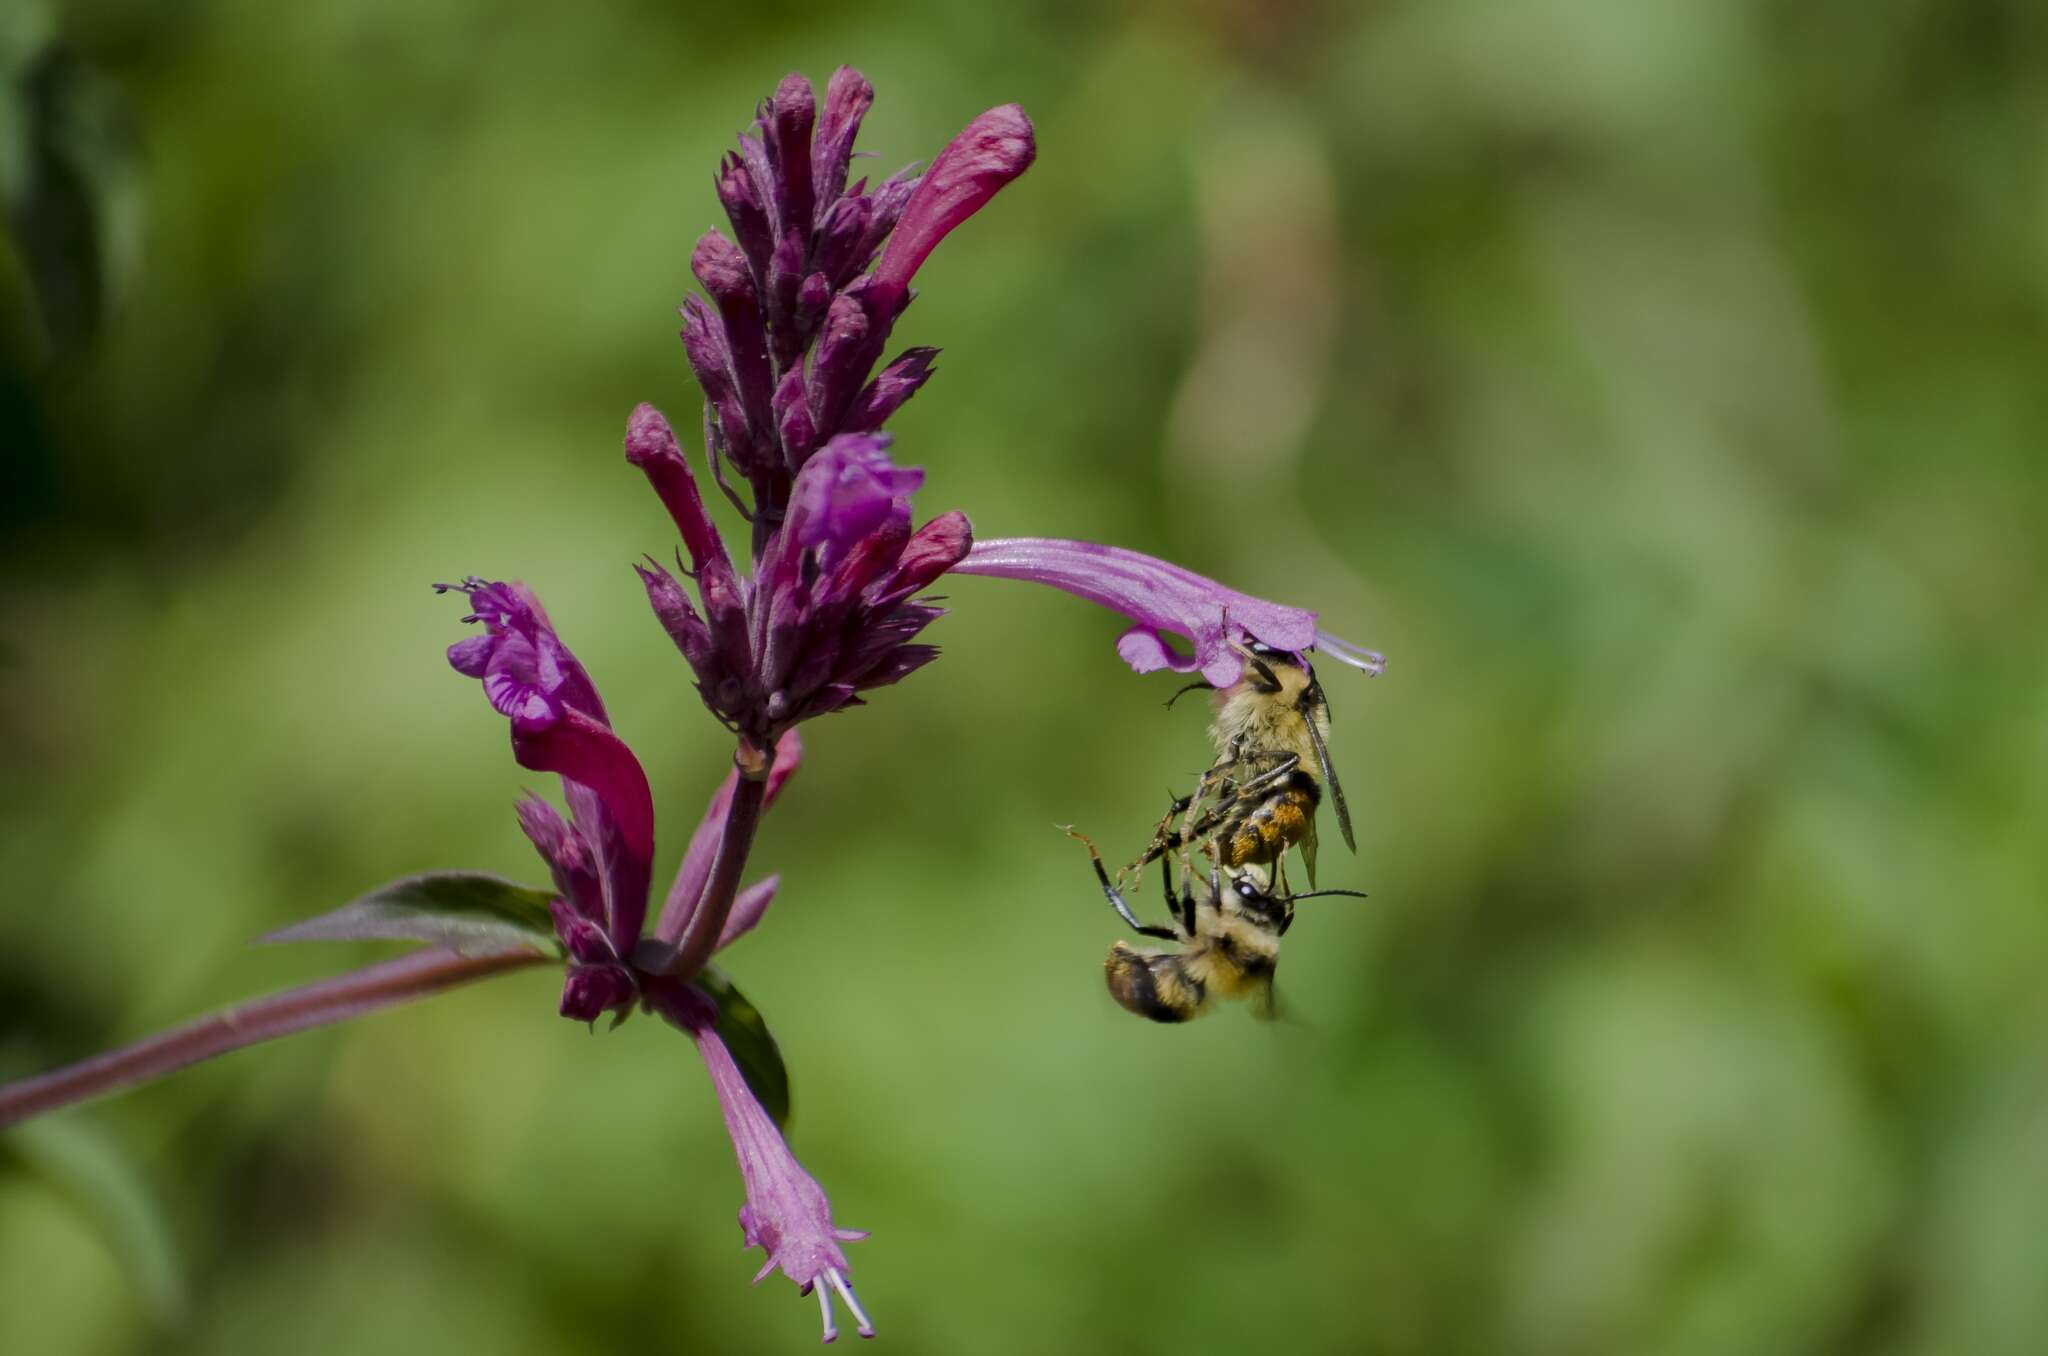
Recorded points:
(281, 1014)
(707, 920)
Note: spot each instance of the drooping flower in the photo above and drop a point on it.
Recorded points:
(1160, 598)
(787, 1214)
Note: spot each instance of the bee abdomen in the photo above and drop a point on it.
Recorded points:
(1281, 821)
(1153, 984)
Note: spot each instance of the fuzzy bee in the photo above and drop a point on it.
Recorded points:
(1272, 769)
(1229, 943)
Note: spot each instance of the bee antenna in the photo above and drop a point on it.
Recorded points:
(1191, 687)
(1317, 894)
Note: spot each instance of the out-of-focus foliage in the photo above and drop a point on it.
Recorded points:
(1661, 386)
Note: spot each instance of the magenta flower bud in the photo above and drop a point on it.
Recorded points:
(590, 991)
(723, 271)
(584, 940)
(885, 209)
(848, 96)
(651, 445)
(785, 275)
(793, 421)
(786, 122)
(989, 152)
(892, 386)
(813, 295)
(895, 666)
(844, 353)
(932, 550)
(711, 360)
(721, 268)
(748, 213)
(563, 849)
(837, 255)
(687, 629)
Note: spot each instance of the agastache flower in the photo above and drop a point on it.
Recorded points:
(786, 1215)
(824, 605)
(1164, 598)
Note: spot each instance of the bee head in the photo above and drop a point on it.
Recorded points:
(1247, 891)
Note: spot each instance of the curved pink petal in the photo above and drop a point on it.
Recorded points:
(987, 154)
(1159, 596)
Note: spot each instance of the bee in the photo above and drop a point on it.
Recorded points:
(1229, 943)
(1272, 769)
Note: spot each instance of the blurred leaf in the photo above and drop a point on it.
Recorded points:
(95, 1177)
(467, 910)
(69, 187)
(746, 1035)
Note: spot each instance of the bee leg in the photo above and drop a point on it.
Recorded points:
(1182, 909)
(1162, 839)
(1234, 805)
(1116, 901)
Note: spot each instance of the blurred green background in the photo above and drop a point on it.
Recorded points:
(1660, 386)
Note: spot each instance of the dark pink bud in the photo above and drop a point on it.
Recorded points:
(989, 152)
(651, 445)
(893, 385)
(785, 275)
(839, 364)
(932, 550)
(885, 209)
(748, 213)
(687, 629)
(723, 270)
(590, 991)
(848, 96)
(786, 136)
(720, 266)
(897, 665)
(837, 254)
(793, 420)
(569, 858)
(584, 940)
(704, 343)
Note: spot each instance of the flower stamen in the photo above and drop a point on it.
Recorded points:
(845, 1289)
(825, 1308)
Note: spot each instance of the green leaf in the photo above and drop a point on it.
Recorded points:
(85, 1167)
(467, 910)
(746, 1035)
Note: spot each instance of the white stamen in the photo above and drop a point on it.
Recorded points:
(839, 1283)
(1371, 662)
(825, 1307)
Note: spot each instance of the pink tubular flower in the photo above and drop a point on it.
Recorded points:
(1162, 597)
(786, 1214)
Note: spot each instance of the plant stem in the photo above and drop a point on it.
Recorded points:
(281, 1014)
(707, 921)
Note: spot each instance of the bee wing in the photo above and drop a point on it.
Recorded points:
(1308, 851)
(1315, 737)
(1265, 1003)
